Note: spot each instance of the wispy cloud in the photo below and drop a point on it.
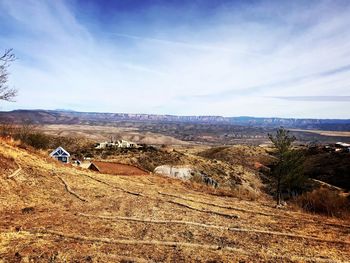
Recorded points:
(188, 45)
(315, 98)
(194, 58)
(291, 82)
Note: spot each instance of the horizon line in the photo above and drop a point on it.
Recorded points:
(174, 115)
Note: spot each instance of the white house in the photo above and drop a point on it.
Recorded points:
(341, 146)
(125, 144)
(101, 145)
(115, 144)
(61, 155)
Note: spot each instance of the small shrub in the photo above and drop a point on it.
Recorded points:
(38, 140)
(197, 178)
(324, 201)
(245, 193)
(7, 130)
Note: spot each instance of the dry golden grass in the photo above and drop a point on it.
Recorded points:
(90, 217)
(326, 133)
(325, 201)
(102, 133)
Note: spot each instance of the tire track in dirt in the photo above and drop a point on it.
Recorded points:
(297, 258)
(235, 229)
(287, 216)
(168, 201)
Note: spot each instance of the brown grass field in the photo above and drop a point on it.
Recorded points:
(103, 133)
(326, 133)
(55, 213)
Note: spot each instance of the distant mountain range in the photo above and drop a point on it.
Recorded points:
(94, 118)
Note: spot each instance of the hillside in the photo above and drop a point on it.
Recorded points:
(55, 213)
(238, 154)
(332, 168)
(238, 177)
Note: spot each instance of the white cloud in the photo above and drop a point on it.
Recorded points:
(227, 66)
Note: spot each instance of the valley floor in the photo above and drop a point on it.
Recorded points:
(55, 213)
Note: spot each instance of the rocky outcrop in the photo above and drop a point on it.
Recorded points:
(181, 172)
(185, 173)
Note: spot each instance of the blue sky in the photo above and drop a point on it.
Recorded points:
(230, 58)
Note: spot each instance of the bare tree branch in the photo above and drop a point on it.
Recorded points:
(8, 56)
(6, 93)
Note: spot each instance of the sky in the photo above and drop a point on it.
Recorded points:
(199, 57)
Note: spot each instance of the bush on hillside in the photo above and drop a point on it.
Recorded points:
(29, 135)
(37, 140)
(7, 130)
(324, 201)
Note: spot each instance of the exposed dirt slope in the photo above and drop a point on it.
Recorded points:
(117, 168)
(235, 177)
(55, 213)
